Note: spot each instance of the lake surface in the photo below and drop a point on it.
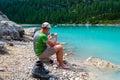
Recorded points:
(102, 42)
(99, 41)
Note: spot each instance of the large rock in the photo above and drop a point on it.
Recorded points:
(9, 29)
(3, 17)
(101, 64)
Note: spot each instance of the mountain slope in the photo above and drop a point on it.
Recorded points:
(61, 11)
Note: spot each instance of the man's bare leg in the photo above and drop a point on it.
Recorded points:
(59, 55)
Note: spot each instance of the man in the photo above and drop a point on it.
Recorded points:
(44, 47)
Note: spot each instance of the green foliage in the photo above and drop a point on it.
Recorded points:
(61, 11)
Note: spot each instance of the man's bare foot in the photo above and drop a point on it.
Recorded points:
(64, 66)
(56, 62)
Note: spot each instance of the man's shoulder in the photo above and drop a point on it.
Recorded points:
(36, 33)
(39, 34)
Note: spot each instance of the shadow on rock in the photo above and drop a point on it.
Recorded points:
(3, 52)
(3, 49)
(1, 78)
(73, 67)
(77, 68)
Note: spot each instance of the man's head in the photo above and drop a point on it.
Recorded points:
(45, 27)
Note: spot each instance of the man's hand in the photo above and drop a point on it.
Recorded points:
(50, 37)
(54, 42)
(55, 35)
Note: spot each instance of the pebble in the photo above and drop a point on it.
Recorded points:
(2, 68)
(77, 78)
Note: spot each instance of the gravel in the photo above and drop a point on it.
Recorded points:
(19, 61)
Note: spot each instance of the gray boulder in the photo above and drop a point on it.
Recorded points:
(9, 29)
(3, 17)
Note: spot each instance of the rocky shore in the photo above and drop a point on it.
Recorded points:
(18, 62)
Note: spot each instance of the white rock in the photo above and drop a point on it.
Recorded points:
(2, 68)
(78, 78)
(101, 64)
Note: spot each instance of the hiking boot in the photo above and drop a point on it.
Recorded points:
(40, 64)
(38, 72)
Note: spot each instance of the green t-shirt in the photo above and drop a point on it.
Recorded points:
(40, 42)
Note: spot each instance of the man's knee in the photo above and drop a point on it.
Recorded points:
(59, 47)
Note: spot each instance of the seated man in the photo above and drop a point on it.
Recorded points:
(44, 47)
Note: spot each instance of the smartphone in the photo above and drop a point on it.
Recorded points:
(52, 34)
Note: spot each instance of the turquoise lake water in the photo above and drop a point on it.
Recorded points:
(102, 42)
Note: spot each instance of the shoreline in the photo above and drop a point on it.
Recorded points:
(30, 24)
(110, 25)
(88, 25)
